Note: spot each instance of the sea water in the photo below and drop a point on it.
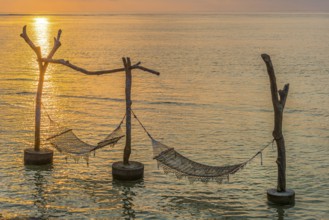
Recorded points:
(212, 103)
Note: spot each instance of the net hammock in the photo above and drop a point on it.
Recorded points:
(173, 162)
(68, 143)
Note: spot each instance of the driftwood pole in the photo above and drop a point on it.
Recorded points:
(127, 150)
(38, 97)
(35, 156)
(42, 70)
(129, 170)
(278, 100)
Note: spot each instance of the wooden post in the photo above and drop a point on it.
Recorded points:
(281, 194)
(126, 170)
(42, 69)
(127, 150)
(38, 102)
(34, 156)
(278, 105)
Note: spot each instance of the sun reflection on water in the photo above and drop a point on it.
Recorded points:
(41, 26)
(42, 38)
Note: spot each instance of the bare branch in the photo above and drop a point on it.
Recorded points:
(57, 44)
(128, 62)
(271, 74)
(147, 70)
(124, 62)
(29, 42)
(99, 72)
(283, 95)
(37, 50)
(79, 69)
(135, 65)
(59, 35)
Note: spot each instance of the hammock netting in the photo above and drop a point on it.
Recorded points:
(173, 162)
(67, 142)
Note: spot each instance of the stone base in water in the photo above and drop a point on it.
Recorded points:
(284, 198)
(131, 172)
(42, 157)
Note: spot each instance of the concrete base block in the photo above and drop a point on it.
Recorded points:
(284, 198)
(131, 172)
(42, 157)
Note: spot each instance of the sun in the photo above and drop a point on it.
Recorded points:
(41, 21)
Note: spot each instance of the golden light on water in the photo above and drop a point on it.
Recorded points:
(42, 38)
(41, 26)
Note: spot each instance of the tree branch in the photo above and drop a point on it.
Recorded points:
(57, 44)
(99, 72)
(30, 43)
(37, 50)
(137, 66)
(271, 74)
(147, 70)
(79, 69)
(283, 95)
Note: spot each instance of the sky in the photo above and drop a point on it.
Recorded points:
(158, 6)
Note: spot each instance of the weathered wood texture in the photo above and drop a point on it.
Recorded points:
(127, 150)
(278, 100)
(42, 70)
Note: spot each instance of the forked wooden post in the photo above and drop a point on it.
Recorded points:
(42, 70)
(36, 156)
(129, 170)
(278, 100)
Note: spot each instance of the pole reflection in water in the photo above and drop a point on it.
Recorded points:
(128, 194)
(39, 189)
(281, 210)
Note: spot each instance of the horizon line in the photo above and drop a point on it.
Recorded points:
(156, 13)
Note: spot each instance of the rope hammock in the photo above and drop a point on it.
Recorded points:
(68, 143)
(173, 162)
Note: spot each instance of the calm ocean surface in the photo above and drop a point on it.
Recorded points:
(211, 103)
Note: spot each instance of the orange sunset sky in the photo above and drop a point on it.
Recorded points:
(108, 6)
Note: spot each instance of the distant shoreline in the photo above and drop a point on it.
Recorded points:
(162, 13)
